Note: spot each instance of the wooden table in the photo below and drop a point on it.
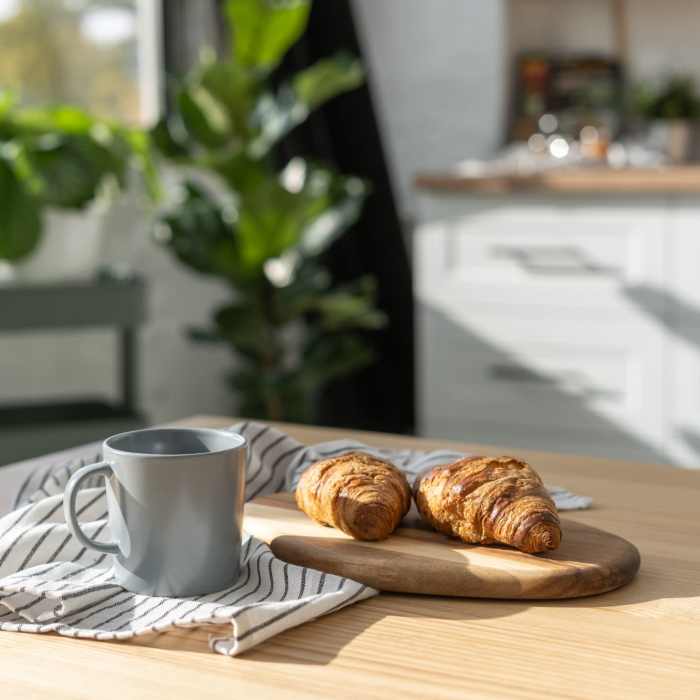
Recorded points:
(642, 641)
(670, 179)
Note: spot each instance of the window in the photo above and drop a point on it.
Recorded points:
(99, 54)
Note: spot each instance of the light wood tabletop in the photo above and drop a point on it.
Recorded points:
(642, 641)
(674, 179)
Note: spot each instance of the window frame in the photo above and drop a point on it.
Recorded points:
(151, 60)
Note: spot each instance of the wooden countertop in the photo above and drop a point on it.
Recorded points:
(661, 180)
(642, 641)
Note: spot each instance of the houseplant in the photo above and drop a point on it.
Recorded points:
(56, 162)
(671, 111)
(260, 223)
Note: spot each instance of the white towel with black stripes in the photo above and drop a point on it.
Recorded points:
(50, 583)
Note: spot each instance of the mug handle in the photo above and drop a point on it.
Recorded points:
(71, 493)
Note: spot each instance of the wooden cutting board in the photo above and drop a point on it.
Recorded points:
(415, 559)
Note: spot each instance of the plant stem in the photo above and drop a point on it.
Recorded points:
(270, 357)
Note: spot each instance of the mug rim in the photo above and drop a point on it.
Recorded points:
(240, 441)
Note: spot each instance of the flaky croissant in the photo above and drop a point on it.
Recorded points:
(484, 500)
(361, 495)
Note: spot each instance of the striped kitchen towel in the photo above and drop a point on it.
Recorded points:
(50, 583)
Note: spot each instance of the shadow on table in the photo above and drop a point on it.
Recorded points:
(340, 629)
(324, 639)
(321, 641)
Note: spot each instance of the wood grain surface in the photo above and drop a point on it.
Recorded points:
(415, 559)
(640, 641)
(567, 180)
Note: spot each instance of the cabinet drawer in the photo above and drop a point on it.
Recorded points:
(600, 378)
(514, 254)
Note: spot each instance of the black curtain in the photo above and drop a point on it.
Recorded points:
(345, 134)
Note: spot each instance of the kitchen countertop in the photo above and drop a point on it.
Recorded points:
(641, 641)
(568, 180)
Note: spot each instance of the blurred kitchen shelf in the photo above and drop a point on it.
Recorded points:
(28, 429)
(569, 180)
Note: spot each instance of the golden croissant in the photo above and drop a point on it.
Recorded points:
(361, 495)
(484, 500)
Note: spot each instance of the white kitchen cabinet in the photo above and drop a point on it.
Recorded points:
(681, 320)
(568, 323)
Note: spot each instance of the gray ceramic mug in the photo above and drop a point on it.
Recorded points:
(175, 503)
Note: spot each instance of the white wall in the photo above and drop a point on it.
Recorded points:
(437, 73)
(568, 26)
(662, 36)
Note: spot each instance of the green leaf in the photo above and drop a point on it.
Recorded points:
(7, 102)
(328, 358)
(351, 306)
(71, 168)
(327, 78)
(65, 154)
(235, 90)
(273, 118)
(214, 110)
(263, 30)
(240, 324)
(301, 295)
(272, 220)
(305, 210)
(203, 117)
(143, 150)
(276, 116)
(241, 173)
(199, 235)
(346, 200)
(63, 118)
(169, 143)
(20, 220)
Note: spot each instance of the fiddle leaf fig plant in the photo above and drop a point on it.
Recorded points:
(58, 157)
(261, 224)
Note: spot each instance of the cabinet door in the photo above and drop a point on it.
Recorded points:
(576, 256)
(569, 323)
(570, 385)
(682, 302)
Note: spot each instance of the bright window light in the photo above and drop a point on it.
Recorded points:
(8, 9)
(108, 26)
(102, 55)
